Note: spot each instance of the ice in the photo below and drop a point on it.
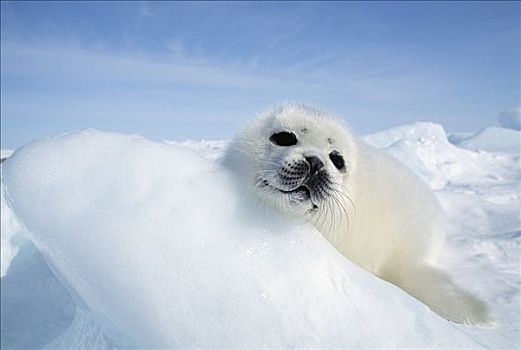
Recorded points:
(424, 147)
(511, 119)
(479, 191)
(158, 249)
(11, 239)
(36, 307)
(5, 152)
(481, 196)
(494, 139)
(506, 138)
(420, 131)
(211, 150)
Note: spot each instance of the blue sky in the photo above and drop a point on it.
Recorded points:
(178, 70)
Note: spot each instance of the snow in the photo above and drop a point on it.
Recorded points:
(506, 138)
(424, 147)
(494, 139)
(11, 238)
(4, 153)
(481, 196)
(135, 263)
(36, 307)
(210, 150)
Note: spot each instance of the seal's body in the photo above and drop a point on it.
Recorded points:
(371, 207)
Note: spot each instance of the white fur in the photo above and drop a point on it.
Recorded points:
(382, 216)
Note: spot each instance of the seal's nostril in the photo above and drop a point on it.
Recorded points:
(315, 164)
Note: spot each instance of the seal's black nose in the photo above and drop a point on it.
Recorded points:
(315, 164)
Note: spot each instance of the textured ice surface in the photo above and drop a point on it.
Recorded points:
(12, 237)
(424, 147)
(160, 250)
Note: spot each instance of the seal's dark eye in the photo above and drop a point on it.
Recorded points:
(338, 161)
(284, 138)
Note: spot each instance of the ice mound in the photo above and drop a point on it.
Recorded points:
(211, 150)
(421, 131)
(424, 147)
(4, 153)
(8, 245)
(12, 237)
(510, 119)
(36, 307)
(494, 139)
(158, 249)
(506, 139)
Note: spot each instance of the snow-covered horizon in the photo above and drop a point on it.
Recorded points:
(475, 176)
(507, 119)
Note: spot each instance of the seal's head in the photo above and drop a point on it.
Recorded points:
(297, 159)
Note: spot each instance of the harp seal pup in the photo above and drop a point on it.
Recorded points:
(373, 209)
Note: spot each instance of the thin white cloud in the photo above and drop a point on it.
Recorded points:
(99, 88)
(77, 64)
